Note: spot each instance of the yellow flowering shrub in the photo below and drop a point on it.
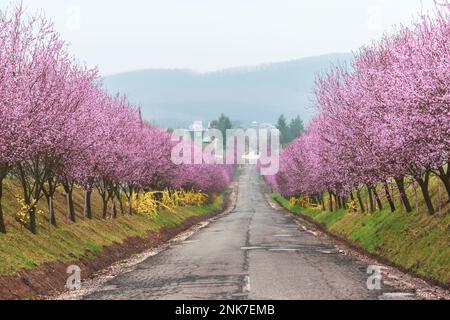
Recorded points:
(317, 207)
(352, 206)
(194, 198)
(22, 216)
(145, 204)
(292, 201)
(302, 201)
(150, 202)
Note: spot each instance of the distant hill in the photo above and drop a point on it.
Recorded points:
(174, 98)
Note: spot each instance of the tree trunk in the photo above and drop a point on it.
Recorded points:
(445, 178)
(104, 207)
(401, 189)
(330, 201)
(87, 204)
(70, 207)
(423, 183)
(322, 202)
(68, 188)
(377, 198)
(361, 204)
(371, 204)
(49, 196)
(130, 202)
(32, 216)
(352, 198)
(51, 210)
(2, 222)
(344, 203)
(122, 211)
(338, 201)
(388, 197)
(113, 209)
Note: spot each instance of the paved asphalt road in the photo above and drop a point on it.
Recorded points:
(255, 252)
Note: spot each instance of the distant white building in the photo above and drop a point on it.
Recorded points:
(262, 125)
(196, 126)
(265, 125)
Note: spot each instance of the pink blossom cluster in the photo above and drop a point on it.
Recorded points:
(60, 128)
(384, 119)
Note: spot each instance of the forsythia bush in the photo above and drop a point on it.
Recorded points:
(292, 201)
(302, 201)
(145, 203)
(352, 206)
(191, 198)
(317, 207)
(22, 215)
(150, 202)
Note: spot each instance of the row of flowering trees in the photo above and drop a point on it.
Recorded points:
(59, 128)
(384, 120)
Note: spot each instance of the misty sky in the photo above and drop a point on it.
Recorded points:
(207, 35)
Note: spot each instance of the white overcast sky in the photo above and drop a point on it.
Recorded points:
(208, 35)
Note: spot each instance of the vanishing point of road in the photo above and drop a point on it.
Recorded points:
(255, 252)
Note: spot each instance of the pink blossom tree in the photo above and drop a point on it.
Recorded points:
(384, 117)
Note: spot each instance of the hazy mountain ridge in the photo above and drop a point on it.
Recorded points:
(174, 98)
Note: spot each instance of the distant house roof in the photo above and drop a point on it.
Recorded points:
(196, 126)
